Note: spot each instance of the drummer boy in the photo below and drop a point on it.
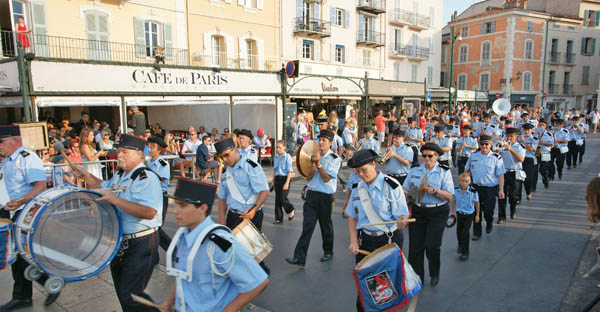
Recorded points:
(225, 277)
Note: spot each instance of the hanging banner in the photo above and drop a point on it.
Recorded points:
(332, 86)
(83, 77)
(9, 77)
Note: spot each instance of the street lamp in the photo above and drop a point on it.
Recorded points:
(455, 37)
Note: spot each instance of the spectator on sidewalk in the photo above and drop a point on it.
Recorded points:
(190, 146)
(138, 121)
(204, 159)
(84, 122)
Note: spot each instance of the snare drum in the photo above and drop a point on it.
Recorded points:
(66, 233)
(7, 244)
(385, 280)
(253, 241)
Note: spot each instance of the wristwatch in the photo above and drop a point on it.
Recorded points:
(318, 167)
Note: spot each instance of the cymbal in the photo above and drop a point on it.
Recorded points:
(303, 158)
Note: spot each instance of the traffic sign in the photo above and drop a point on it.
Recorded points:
(428, 96)
(545, 95)
(291, 69)
(497, 95)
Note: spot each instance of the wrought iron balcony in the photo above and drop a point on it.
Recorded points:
(553, 88)
(554, 58)
(567, 89)
(371, 38)
(371, 6)
(570, 59)
(410, 19)
(412, 52)
(312, 27)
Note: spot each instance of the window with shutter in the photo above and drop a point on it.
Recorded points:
(486, 53)
(462, 82)
(529, 49)
(413, 72)
(527, 81)
(430, 75)
(585, 76)
(96, 29)
(484, 82)
(40, 29)
(396, 71)
(140, 40)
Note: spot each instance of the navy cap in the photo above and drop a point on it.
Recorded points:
(507, 121)
(436, 118)
(326, 134)
(527, 126)
(524, 114)
(439, 128)
(543, 120)
(432, 147)
(467, 127)
(486, 115)
(158, 140)
(321, 119)
(452, 119)
(246, 132)
(367, 129)
(362, 158)
(224, 145)
(512, 131)
(195, 192)
(410, 119)
(560, 121)
(575, 118)
(131, 142)
(399, 132)
(485, 138)
(9, 131)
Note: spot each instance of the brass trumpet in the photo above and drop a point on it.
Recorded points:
(386, 157)
(360, 146)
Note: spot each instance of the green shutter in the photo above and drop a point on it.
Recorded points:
(597, 14)
(593, 46)
(140, 41)
(103, 45)
(582, 46)
(168, 30)
(585, 17)
(40, 30)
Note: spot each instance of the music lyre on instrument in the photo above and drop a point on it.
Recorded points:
(145, 301)
(387, 222)
(304, 158)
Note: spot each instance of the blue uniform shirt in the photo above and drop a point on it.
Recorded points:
(510, 163)
(353, 178)
(331, 163)
(370, 143)
(546, 137)
(454, 130)
(249, 180)
(465, 202)
(444, 141)
(337, 142)
(477, 127)
(283, 164)
(561, 134)
(485, 169)
(21, 170)
(144, 191)
(387, 202)
(414, 133)
(161, 167)
(471, 141)
(249, 152)
(243, 276)
(393, 166)
(574, 132)
(493, 129)
(437, 177)
(533, 141)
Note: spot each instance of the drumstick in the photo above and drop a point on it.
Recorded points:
(145, 301)
(59, 147)
(387, 222)
(364, 252)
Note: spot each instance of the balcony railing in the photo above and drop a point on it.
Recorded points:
(570, 58)
(413, 52)
(82, 49)
(372, 6)
(371, 38)
(554, 58)
(410, 19)
(553, 88)
(312, 26)
(567, 89)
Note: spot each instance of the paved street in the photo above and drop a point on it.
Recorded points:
(524, 265)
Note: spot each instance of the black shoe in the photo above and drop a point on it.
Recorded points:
(546, 184)
(277, 222)
(295, 261)
(464, 257)
(568, 167)
(326, 257)
(500, 221)
(476, 237)
(15, 304)
(488, 227)
(290, 218)
(574, 166)
(458, 249)
(513, 215)
(51, 298)
(560, 176)
(435, 280)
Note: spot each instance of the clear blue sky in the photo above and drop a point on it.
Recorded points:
(455, 5)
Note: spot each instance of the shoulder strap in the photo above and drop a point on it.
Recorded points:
(373, 217)
(235, 191)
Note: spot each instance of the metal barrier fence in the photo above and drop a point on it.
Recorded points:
(60, 174)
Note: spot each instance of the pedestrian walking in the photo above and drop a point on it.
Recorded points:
(465, 202)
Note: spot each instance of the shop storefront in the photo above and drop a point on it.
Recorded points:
(523, 99)
(387, 94)
(560, 103)
(11, 101)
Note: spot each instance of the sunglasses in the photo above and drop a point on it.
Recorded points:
(44, 154)
(483, 144)
(428, 155)
(76, 146)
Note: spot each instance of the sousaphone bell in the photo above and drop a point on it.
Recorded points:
(303, 158)
(501, 107)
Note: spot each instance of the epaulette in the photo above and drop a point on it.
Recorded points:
(472, 189)
(162, 162)
(120, 172)
(251, 162)
(223, 243)
(565, 130)
(415, 165)
(354, 185)
(444, 166)
(335, 156)
(141, 173)
(252, 150)
(498, 155)
(24, 153)
(392, 182)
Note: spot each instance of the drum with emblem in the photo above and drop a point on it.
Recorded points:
(67, 234)
(385, 281)
(7, 244)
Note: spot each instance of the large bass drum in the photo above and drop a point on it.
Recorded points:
(68, 235)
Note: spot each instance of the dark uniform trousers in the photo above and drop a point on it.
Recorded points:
(233, 219)
(581, 151)
(545, 170)
(415, 160)
(281, 198)
(557, 158)
(164, 239)
(462, 162)
(22, 289)
(463, 226)
(132, 268)
(317, 207)
(426, 238)
(511, 193)
(371, 243)
(572, 154)
(487, 202)
(453, 153)
(530, 170)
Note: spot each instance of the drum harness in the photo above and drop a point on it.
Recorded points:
(235, 191)
(373, 216)
(210, 250)
(120, 189)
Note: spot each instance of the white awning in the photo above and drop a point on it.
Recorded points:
(11, 101)
(356, 98)
(265, 100)
(175, 100)
(55, 101)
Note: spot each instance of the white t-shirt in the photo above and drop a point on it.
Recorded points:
(348, 135)
(190, 147)
(595, 117)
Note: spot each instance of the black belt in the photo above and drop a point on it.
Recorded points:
(376, 233)
(464, 214)
(432, 205)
